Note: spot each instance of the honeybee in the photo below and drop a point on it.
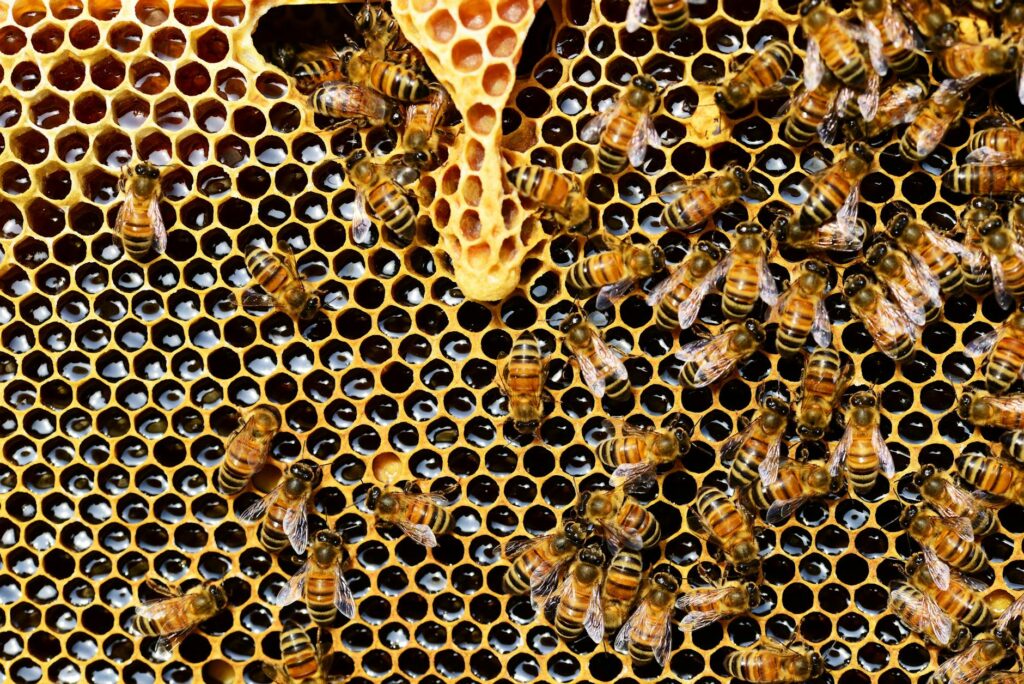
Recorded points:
(522, 381)
(394, 80)
(824, 381)
(933, 20)
(961, 601)
(285, 508)
(626, 127)
(677, 299)
(247, 448)
(833, 43)
(967, 667)
(892, 331)
(707, 605)
(637, 452)
(747, 277)
(707, 360)
(614, 271)
(1012, 445)
(1006, 260)
(671, 14)
(579, 599)
(997, 145)
(380, 32)
(556, 193)
(537, 562)
(836, 189)
(922, 615)
(285, 289)
(813, 113)
(422, 120)
(933, 119)
(998, 477)
(795, 483)
(621, 584)
(647, 635)
(139, 223)
(175, 614)
(756, 450)
(320, 582)
(302, 662)
(622, 521)
(986, 410)
(913, 288)
(730, 527)
(1005, 349)
(862, 448)
(899, 104)
(760, 73)
(801, 311)
(601, 368)
(381, 187)
(691, 203)
(353, 105)
(422, 516)
(944, 541)
(310, 65)
(775, 664)
(950, 501)
(897, 42)
(975, 263)
(844, 234)
(989, 57)
(933, 253)
(985, 179)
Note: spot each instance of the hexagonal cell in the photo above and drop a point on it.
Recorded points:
(111, 148)
(231, 84)
(50, 111)
(30, 146)
(441, 26)
(89, 108)
(67, 75)
(84, 35)
(107, 73)
(497, 79)
(152, 12)
(149, 76)
(47, 39)
(156, 148)
(25, 76)
(130, 111)
(168, 43)
(104, 10)
(212, 45)
(28, 12)
(124, 36)
(14, 178)
(467, 55)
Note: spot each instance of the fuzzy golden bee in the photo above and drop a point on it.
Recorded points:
(987, 410)
(139, 222)
(933, 19)
(985, 179)
(863, 449)
(1004, 349)
(896, 39)
(730, 527)
(893, 332)
(813, 113)
(922, 615)
(934, 254)
(834, 44)
(522, 382)
(423, 121)
(834, 190)
(974, 262)
(613, 272)
(795, 483)
(174, 614)
(320, 582)
(537, 562)
(961, 600)
(632, 452)
(707, 605)
(246, 450)
(998, 477)
(756, 450)
(774, 664)
(352, 105)
(619, 518)
(647, 635)
(284, 288)
(824, 380)
(708, 360)
(912, 288)
(691, 203)
(625, 129)
(757, 76)
(950, 501)
(558, 194)
(312, 65)
(933, 119)
(971, 664)
(388, 78)
(677, 299)
(579, 599)
(898, 104)
(601, 368)
(747, 277)
(420, 515)
(285, 508)
(381, 190)
(621, 585)
(1006, 259)
(945, 542)
(800, 312)
(997, 145)
(987, 58)
(843, 234)
(301, 661)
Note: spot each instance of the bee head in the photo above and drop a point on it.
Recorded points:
(987, 204)
(870, 7)
(592, 554)
(571, 321)
(776, 405)
(645, 82)
(991, 226)
(742, 178)
(998, 6)
(809, 6)
(581, 507)
(755, 329)
(311, 307)
(965, 404)
(146, 170)
(576, 533)
(907, 516)
(926, 472)
(354, 158)
(748, 568)
(817, 267)
(898, 224)
(710, 249)
(722, 102)
(945, 35)
(266, 418)
(864, 400)
(915, 561)
(328, 537)
(810, 433)
(219, 596)
(816, 665)
(853, 284)
(666, 582)
(1003, 636)
(753, 595)
(878, 251)
(657, 258)
(307, 471)
(526, 427)
(781, 227)
(862, 152)
(960, 639)
(749, 228)
(364, 19)
(373, 497)
(682, 437)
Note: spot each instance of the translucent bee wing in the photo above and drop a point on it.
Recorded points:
(963, 667)
(838, 457)
(343, 599)
(637, 149)
(296, 525)
(628, 472)
(980, 346)
(867, 101)
(590, 375)
(829, 126)
(1013, 610)
(421, 534)
(592, 130)
(702, 597)
(730, 445)
(940, 624)
(625, 635)
(156, 219)
(665, 286)
(821, 328)
(690, 350)
(516, 547)
(295, 589)
(608, 294)
(945, 243)
(165, 645)
(636, 14)
(897, 30)
(769, 467)
(884, 455)
(123, 215)
(961, 500)
(844, 234)
(672, 191)
(757, 192)
(719, 366)
(989, 157)
(999, 283)
(1020, 83)
(938, 570)
(162, 588)
(664, 645)
(360, 220)
(912, 309)
(891, 317)
(814, 67)
(163, 608)
(545, 579)
(962, 527)
(780, 510)
(872, 37)
(690, 307)
(258, 300)
(259, 509)
(769, 291)
(610, 359)
(593, 621)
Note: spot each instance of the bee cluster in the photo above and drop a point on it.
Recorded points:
(315, 486)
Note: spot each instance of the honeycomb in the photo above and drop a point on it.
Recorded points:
(121, 379)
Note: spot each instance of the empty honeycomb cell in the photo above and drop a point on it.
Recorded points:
(191, 12)
(47, 39)
(212, 46)
(25, 76)
(50, 111)
(272, 86)
(130, 111)
(149, 76)
(192, 79)
(231, 84)
(228, 12)
(152, 12)
(83, 35)
(441, 26)
(107, 73)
